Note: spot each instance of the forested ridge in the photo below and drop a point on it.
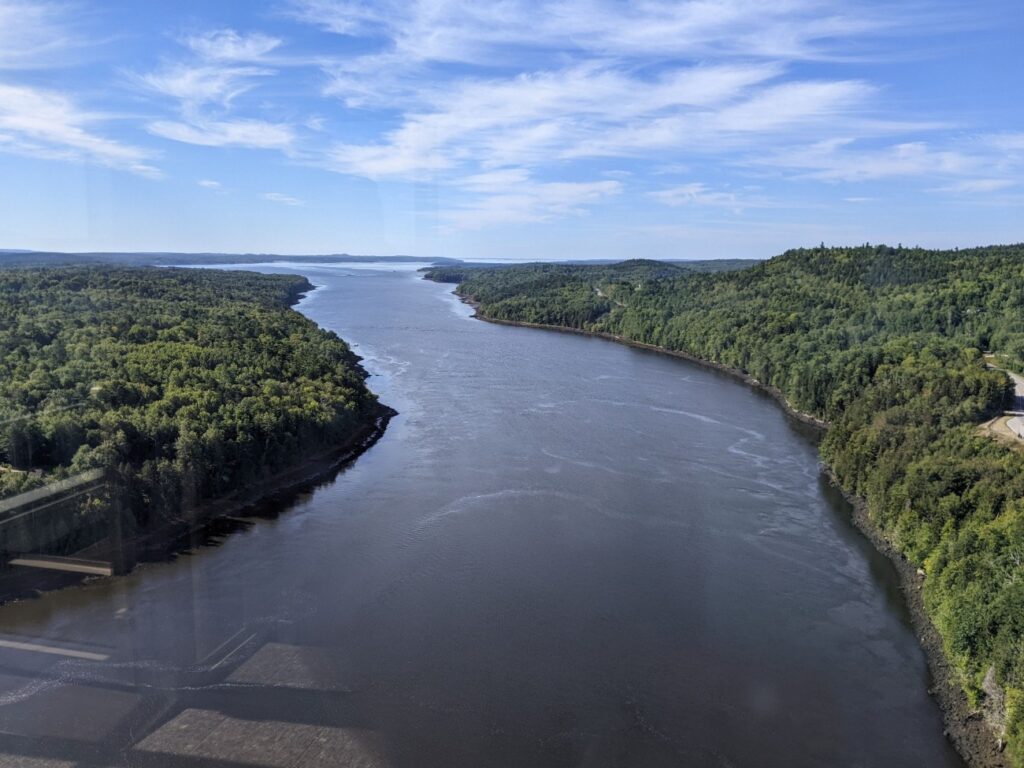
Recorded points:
(887, 345)
(185, 384)
(546, 275)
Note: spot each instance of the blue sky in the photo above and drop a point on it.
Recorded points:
(510, 129)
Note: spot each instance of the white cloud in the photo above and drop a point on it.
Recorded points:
(698, 194)
(209, 184)
(196, 86)
(549, 84)
(512, 197)
(978, 186)
(252, 134)
(489, 33)
(44, 122)
(48, 124)
(277, 197)
(1008, 142)
(205, 93)
(229, 45)
(588, 110)
(494, 181)
(795, 103)
(842, 160)
(403, 157)
(785, 112)
(31, 33)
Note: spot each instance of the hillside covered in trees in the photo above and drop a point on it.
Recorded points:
(187, 384)
(887, 345)
(547, 275)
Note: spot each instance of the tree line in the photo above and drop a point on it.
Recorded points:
(185, 384)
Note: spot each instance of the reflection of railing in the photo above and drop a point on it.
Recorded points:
(52, 493)
(71, 525)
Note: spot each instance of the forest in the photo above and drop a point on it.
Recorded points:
(183, 384)
(552, 273)
(887, 345)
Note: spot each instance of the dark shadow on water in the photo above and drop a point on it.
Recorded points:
(179, 539)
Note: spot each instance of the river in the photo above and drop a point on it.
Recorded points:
(563, 552)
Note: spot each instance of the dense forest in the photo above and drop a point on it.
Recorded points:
(183, 384)
(887, 345)
(547, 275)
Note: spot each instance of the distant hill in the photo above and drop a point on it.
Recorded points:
(18, 258)
(13, 257)
(632, 269)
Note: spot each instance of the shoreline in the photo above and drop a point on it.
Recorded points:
(200, 526)
(965, 728)
(195, 528)
(306, 474)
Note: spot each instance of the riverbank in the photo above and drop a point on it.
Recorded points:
(206, 523)
(145, 512)
(965, 728)
(312, 471)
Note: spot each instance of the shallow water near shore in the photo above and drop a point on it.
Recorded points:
(563, 552)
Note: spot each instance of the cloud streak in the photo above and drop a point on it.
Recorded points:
(488, 33)
(699, 194)
(31, 33)
(282, 199)
(47, 124)
(536, 87)
(512, 197)
(517, 112)
(206, 88)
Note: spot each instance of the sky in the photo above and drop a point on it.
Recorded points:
(582, 129)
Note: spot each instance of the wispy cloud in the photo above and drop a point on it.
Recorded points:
(539, 86)
(277, 197)
(206, 87)
(978, 186)
(589, 109)
(489, 33)
(839, 160)
(254, 134)
(775, 114)
(699, 194)
(229, 45)
(1010, 143)
(515, 112)
(31, 33)
(511, 197)
(197, 85)
(48, 124)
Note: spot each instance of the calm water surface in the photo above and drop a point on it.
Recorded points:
(564, 552)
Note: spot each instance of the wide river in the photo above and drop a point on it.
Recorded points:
(563, 552)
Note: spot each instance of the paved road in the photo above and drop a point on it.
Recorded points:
(1016, 423)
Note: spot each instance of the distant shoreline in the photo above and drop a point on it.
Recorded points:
(965, 728)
